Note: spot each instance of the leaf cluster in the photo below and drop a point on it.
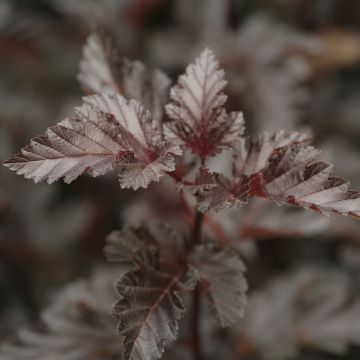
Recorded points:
(135, 124)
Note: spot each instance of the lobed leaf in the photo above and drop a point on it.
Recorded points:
(151, 293)
(295, 177)
(150, 308)
(197, 110)
(283, 168)
(151, 243)
(251, 157)
(131, 245)
(108, 132)
(253, 154)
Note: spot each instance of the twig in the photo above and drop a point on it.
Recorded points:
(195, 325)
(196, 237)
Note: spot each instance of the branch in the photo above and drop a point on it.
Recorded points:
(195, 325)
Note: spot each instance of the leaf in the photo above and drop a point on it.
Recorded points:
(151, 303)
(251, 157)
(253, 154)
(197, 111)
(295, 177)
(223, 271)
(103, 71)
(148, 86)
(130, 245)
(283, 168)
(266, 76)
(99, 66)
(149, 311)
(76, 326)
(108, 132)
(155, 241)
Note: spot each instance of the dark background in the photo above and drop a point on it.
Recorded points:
(50, 235)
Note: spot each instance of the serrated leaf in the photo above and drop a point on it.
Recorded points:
(108, 132)
(77, 326)
(103, 71)
(283, 168)
(151, 306)
(197, 110)
(253, 153)
(251, 157)
(144, 244)
(223, 271)
(296, 177)
(131, 245)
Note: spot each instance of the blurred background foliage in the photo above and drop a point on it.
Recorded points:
(292, 64)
